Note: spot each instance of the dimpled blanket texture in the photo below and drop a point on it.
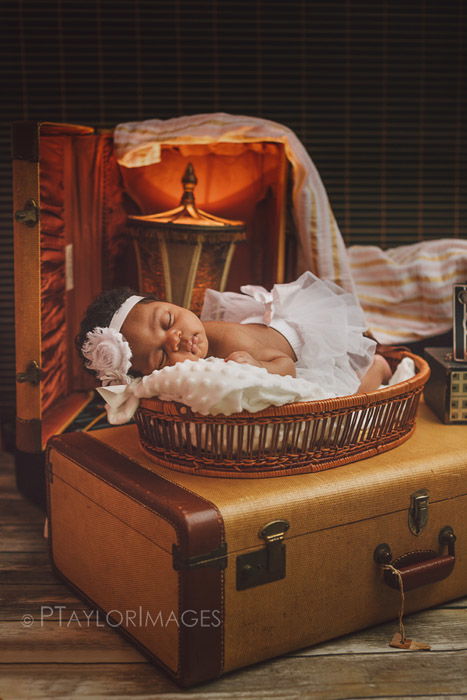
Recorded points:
(213, 386)
(210, 386)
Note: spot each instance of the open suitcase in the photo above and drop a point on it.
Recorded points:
(208, 575)
(71, 241)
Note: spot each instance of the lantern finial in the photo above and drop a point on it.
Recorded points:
(189, 181)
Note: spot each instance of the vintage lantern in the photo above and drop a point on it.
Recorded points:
(182, 252)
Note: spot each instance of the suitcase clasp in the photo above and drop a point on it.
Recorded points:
(266, 564)
(29, 216)
(418, 511)
(33, 374)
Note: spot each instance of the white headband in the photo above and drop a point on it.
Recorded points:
(106, 350)
(118, 319)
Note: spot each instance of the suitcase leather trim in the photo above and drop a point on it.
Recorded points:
(200, 531)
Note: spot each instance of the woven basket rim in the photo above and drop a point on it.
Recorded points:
(356, 401)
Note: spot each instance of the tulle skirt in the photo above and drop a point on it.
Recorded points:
(323, 324)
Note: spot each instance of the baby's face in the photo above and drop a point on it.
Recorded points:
(161, 334)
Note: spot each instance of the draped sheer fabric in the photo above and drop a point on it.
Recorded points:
(405, 292)
(321, 247)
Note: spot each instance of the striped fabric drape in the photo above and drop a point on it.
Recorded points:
(375, 91)
(406, 291)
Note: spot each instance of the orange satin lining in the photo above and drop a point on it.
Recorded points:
(54, 332)
(81, 206)
(85, 200)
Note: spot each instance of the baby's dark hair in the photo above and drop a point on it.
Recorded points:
(99, 314)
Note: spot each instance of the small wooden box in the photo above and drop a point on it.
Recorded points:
(446, 390)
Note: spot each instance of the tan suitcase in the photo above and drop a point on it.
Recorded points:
(71, 240)
(208, 575)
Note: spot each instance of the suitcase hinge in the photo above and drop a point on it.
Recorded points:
(29, 216)
(418, 511)
(266, 564)
(33, 374)
(218, 557)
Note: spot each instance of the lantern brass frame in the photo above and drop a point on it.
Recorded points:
(186, 224)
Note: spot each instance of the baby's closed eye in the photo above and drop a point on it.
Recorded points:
(168, 320)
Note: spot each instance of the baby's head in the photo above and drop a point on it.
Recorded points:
(123, 333)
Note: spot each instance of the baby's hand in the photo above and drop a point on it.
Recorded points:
(243, 358)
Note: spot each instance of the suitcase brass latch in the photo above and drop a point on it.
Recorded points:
(29, 216)
(418, 511)
(266, 564)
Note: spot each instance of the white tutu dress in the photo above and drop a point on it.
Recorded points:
(323, 324)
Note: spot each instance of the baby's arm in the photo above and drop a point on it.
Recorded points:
(272, 360)
(238, 342)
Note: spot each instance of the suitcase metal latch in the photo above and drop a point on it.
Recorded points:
(33, 374)
(266, 564)
(418, 511)
(29, 216)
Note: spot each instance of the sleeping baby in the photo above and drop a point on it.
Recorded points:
(308, 328)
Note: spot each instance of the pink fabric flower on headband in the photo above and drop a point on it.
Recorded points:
(108, 354)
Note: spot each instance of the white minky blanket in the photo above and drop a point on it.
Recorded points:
(213, 386)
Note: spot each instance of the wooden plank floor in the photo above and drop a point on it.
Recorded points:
(66, 656)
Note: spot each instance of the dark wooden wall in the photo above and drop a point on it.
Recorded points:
(375, 90)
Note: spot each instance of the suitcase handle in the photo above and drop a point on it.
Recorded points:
(420, 567)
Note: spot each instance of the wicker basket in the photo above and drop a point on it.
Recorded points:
(292, 439)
